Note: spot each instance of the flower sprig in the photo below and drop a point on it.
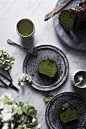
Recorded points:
(24, 78)
(6, 60)
(17, 115)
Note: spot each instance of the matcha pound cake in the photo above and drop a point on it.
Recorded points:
(67, 112)
(67, 19)
(47, 67)
(74, 18)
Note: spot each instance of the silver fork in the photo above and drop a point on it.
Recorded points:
(30, 51)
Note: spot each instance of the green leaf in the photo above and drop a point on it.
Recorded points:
(8, 67)
(0, 53)
(6, 98)
(7, 61)
(12, 58)
(0, 62)
(3, 49)
(12, 62)
(4, 53)
(47, 97)
(30, 125)
(21, 104)
(25, 108)
(21, 127)
(20, 110)
(32, 112)
(17, 103)
(29, 110)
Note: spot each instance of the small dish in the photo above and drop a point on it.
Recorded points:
(25, 28)
(75, 78)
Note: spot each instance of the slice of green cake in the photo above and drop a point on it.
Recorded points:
(67, 19)
(47, 67)
(67, 112)
(76, 24)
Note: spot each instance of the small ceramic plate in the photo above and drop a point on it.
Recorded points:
(75, 78)
(42, 82)
(53, 106)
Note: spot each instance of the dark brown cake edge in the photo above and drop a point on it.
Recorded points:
(64, 108)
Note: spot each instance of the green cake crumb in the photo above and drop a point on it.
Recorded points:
(67, 112)
(47, 67)
(68, 115)
(66, 20)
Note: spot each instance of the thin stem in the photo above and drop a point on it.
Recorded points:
(9, 75)
(77, 83)
(24, 121)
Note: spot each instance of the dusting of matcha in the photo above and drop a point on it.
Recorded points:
(47, 67)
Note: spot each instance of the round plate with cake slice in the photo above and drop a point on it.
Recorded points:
(47, 54)
(54, 106)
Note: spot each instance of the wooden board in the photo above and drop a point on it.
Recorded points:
(75, 38)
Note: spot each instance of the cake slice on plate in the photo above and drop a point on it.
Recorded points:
(47, 67)
(67, 112)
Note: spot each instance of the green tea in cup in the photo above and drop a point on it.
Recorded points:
(25, 28)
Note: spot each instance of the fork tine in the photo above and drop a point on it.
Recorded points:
(33, 52)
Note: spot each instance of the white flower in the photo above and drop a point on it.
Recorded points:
(24, 78)
(12, 62)
(7, 116)
(22, 83)
(38, 126)
(5, 126)
(23, 75)
(1, 105)
(15, 107)
(8, 112)
(29, 78)
(3, 62)
(2, 58)
(33, 120)
(6, 109)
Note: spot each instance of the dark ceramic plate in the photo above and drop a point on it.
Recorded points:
(75, 39)
(42, 82)
(53, 106)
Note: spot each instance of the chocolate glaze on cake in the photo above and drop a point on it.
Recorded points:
(64, 107)
(52, 61)
(81, 14)
(78, 15)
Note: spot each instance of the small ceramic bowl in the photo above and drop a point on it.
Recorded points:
(75, 78)
(30, 29)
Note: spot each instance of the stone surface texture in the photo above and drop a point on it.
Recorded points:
(11, 11)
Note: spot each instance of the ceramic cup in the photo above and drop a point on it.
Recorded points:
(75, 78)
(25, 28)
